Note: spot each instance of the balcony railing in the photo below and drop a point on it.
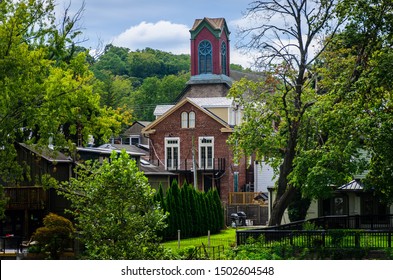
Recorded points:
(184, 165)
(26, 198)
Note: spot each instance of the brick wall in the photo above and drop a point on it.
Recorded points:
(205, 125)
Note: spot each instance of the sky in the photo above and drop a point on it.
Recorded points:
(157, 24)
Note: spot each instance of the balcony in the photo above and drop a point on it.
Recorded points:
(25, 198)
(186, 165)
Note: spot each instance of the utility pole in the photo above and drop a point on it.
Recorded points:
(194, 164)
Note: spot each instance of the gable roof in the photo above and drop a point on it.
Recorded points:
(354, 185)
(193, 101)
(212, 102)
(215, 25)
(128, 131)
(47, 153)
(107, 149)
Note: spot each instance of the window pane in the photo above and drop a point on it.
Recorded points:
(191, 121)
(209, 157)
(175, 157)
(169, 157)
(203, 157)
(184, 120)
(205, 57)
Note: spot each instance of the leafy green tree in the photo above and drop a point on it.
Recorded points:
(358, 90)
(115, 210)
(114, 60)
(277, 110)
(55, 236)
(45, 84)
(156, 91)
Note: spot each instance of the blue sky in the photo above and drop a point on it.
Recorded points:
(158, 24)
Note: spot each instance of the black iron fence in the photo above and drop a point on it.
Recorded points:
(372, 239)
(342, 222)
(366, 231)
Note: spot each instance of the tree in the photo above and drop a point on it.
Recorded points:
(115, 210)
(45, 83)
(355, 76)
(56, 235)
(276, 109)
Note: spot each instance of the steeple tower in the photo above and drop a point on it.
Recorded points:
(210, 54)
(210, 50)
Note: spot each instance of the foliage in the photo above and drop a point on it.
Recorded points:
(278, 110)
(139, 80)
(115, 210)
(297, 209)
(192, 212)
(355, 79)
(54, 236)
(45, 84)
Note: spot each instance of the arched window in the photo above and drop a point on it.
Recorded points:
(223, 58)
(191, 120)
(188, 120)
(205, 57)
(184, 120)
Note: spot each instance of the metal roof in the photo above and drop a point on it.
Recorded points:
(162, 109)
(209, 102)
(216, 23)
(109, 148)
(354, 185)
(47, 153)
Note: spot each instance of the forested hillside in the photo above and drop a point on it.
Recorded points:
(137, 81)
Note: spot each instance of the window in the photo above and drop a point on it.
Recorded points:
(191, 120)
(205, 57)
(172, 154)
(184, 120)
(135, 140)
(223, 58)
(188, 120)
(206, 152)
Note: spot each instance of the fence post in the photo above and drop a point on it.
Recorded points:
(357, 239)
(390, 239)
(323, 238)
(178, 238)
(208, 238)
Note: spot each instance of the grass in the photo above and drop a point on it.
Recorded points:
(226, 238)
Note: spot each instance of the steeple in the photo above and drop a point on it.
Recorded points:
(210, 50)
(210, 55)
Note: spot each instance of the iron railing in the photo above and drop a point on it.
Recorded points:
(187, 165)
(371, 239)
(372, 231)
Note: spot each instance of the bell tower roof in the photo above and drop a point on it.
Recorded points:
(210, 50)
(215, 25)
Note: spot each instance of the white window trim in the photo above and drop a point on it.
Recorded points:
(205, 165)
(172, 145)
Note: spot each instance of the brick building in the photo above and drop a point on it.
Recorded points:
(190, 138)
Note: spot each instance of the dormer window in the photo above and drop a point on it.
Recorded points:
(223, 58)
(205, 57)
(188, 120)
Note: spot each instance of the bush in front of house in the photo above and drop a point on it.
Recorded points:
(54, 237)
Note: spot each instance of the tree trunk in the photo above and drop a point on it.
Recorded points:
(279, 206)
(285, 192)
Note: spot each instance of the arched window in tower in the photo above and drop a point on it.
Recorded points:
(223, 58)
(205, 57)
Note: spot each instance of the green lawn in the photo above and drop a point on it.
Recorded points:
(226, 238)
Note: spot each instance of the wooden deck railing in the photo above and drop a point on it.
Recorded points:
(236, 198)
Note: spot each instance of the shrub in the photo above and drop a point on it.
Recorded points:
(54, 236)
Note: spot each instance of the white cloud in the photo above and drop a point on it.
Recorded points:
(166, 36)
(162, 35)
